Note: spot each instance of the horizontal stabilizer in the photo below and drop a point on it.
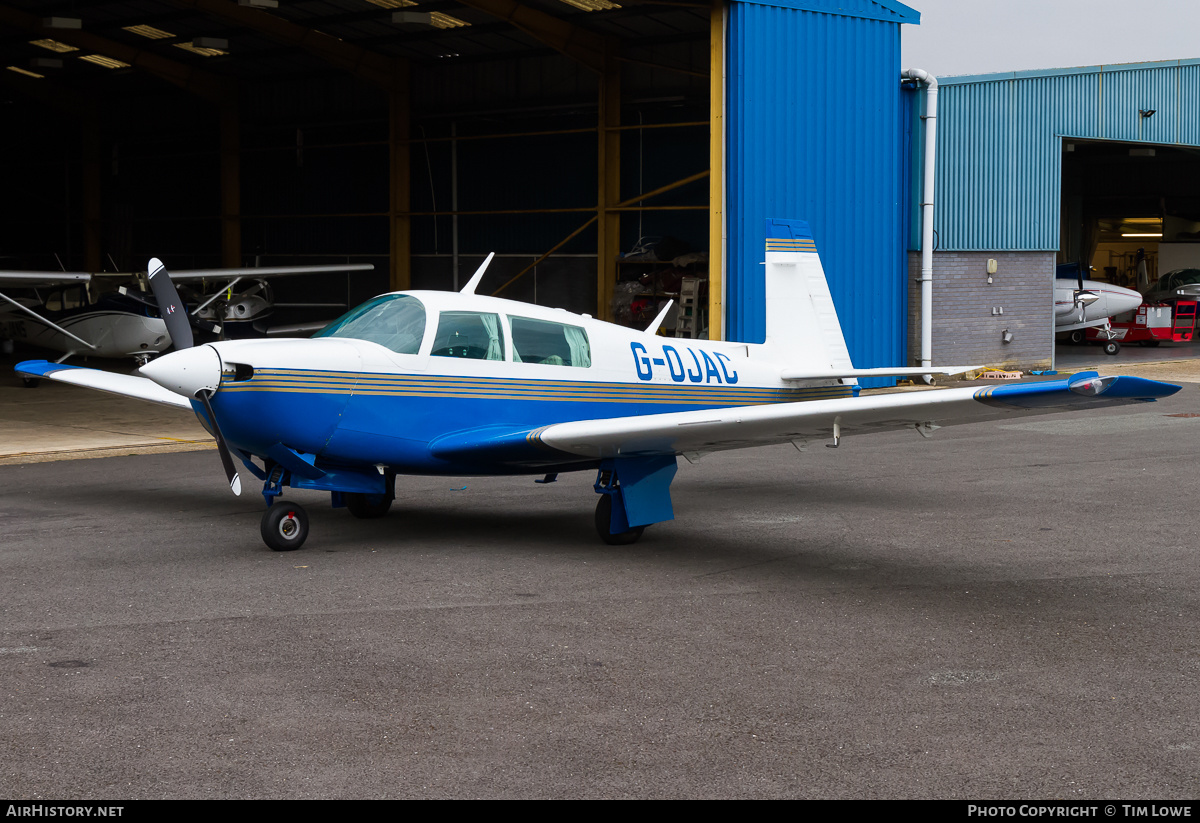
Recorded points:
(127, 385)
(829, 374)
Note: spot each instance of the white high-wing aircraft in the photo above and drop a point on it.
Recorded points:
(62, 316)
(444, 383)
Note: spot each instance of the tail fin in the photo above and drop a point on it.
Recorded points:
(802, 323)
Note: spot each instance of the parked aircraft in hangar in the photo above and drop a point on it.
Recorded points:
(445, 383)
(57, 310)
(1080, 304)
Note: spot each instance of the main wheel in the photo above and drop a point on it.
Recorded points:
(368, 506)
(1077, 337)
(284, 526)
(1111, 347)
(604, 525)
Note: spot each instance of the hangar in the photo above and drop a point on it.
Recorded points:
(1038, 168)
(604, 150)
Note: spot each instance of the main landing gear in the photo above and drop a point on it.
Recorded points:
(634, 492)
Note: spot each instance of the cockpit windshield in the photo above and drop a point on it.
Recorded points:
(396, 321)
(1179, 277)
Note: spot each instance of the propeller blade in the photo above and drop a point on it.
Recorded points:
(170, 306)
(235, 481)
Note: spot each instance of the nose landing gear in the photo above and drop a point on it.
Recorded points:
(284, 526)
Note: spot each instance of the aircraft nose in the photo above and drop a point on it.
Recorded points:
(187, 371)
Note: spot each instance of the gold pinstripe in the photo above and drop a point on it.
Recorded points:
(316, 382)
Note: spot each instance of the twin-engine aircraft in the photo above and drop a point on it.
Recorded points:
(1081, 304)
(444, 383)
(62, 314)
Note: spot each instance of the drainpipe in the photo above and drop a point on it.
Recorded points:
(922, 76)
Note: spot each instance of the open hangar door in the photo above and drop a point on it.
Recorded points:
(210, 134)
(1119, 198)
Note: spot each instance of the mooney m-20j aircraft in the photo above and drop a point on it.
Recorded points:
(445, 383)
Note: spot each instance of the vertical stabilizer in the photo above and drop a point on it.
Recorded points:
(802, 323)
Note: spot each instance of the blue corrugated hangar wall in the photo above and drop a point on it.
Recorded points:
(999, 190)
(813, 132)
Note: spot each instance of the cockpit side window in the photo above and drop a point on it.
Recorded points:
(396, 321)
(551, 344)
(473, 335)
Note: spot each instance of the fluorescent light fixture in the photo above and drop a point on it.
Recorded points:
(62, 22)
(592, 5)
(427, 18)
(106, 62)
(1141, 234)
(392, 4)
(445, 21)
(26, 72)
(422, 18)
(260, 4)
(53, 45)
(149, 31)
(205, 46)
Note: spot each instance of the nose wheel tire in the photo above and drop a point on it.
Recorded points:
(284, 526)
(604, 525)
(368, 506)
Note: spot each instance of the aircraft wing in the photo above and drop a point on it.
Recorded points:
(699, 432)
(185, 275)
(128, 385)
(32, 279)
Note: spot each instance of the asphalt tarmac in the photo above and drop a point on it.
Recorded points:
(1004, 611)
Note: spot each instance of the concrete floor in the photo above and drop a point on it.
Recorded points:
(1002, 612)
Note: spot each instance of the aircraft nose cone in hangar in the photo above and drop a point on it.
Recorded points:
(1122, 300)
(186, 372)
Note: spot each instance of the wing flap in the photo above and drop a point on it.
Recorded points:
(732, 428)
(127, 385)
(827, 374)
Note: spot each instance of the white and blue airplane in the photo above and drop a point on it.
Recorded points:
(446, 383)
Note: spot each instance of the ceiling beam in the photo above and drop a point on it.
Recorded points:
(373, 67)
(579, 44)
(211, 87)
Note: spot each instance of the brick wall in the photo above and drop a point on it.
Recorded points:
(965, 332)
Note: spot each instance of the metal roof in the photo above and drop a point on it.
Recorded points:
(256, 52)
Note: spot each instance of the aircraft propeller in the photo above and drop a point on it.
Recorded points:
(182, 360)
(1083, 297)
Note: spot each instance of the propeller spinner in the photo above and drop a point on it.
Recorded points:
(191, 372)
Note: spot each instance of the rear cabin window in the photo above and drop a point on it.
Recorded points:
(551, 344)
(473, 335)
(396, 321)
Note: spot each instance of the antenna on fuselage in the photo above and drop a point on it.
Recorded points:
(477, 276)
(662, 315)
